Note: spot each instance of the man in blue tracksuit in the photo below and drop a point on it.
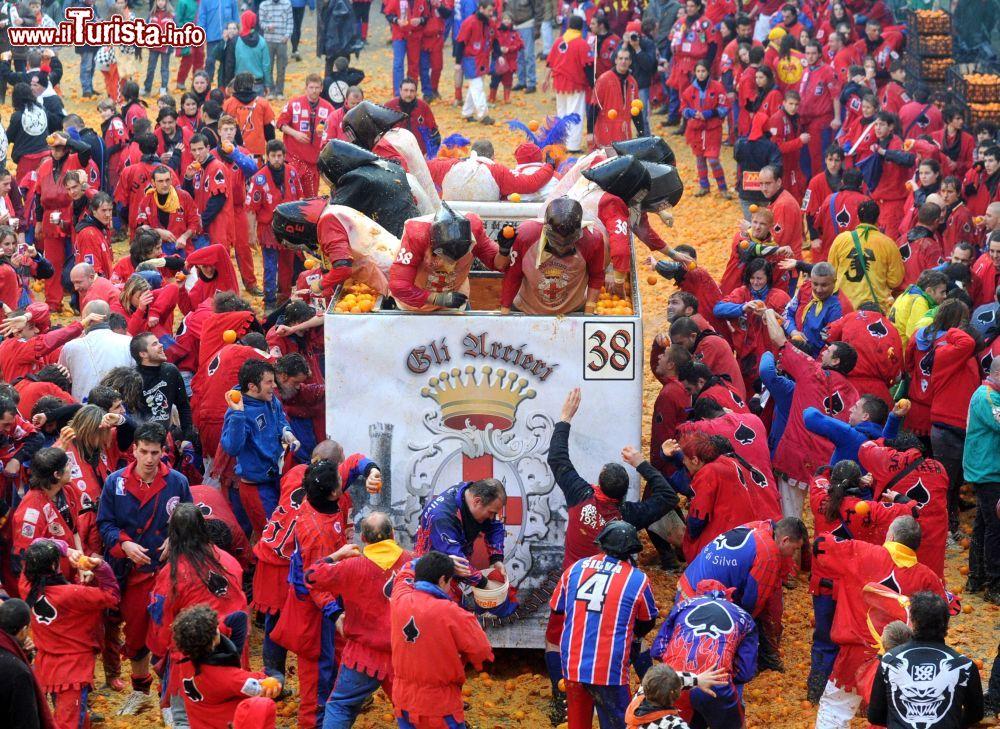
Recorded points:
(869, 419)
(780, 389)
(255, 433)
(135, 508)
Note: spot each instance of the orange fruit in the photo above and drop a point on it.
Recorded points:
(963, 570)
(979, 663)
(612, 114)
(637, 104)
(965, 543)
(862, 508)
(533, 125)
(692, 265)
(311, 263)
(51, 139)
(509, 231)
(514, 197)
(235, 396)
(561, 685)
(967, 609)
(651, 279)
(179, 276)
(753, 209)
(903, 402)
(229, 336)
(227, 147)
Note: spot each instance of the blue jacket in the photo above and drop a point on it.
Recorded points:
(847, 439)
(781, 389)
(814, 323)
(214, 15)
(304, 3)
(253, 437)
(121, 517)
(447, 526)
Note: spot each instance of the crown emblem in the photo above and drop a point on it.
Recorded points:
(491, 398)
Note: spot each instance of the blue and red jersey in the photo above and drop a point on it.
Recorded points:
(745, 558)
(446, 525)
(602, 598)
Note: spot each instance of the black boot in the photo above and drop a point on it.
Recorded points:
(816, 684)
(557, 708)
(768, 657)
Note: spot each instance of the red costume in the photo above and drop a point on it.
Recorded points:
(568, 61)
(420, 119)
(750, 338)
(788, 227)
(213, 691)
(305, 116)
(879, 348)
(836, 213)
(161, 309)
(959, 226)
(893, 97)
(412, 278)
(921, 249)
(263, 196)
(407, 19)
(132, 185)
(214, 505)
(818, 88)
(215, 178)
(690, 39)
(20, 357)
(51, 199)
(704, 136)
(203, 289)
(175, 214)
(612, 91)
(925, 484)
(93, 246)
(957, 151)
(721, 502)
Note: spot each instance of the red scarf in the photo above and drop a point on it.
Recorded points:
(7, 643)
(139, 488)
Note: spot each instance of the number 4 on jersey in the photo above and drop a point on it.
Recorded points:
(593, 591)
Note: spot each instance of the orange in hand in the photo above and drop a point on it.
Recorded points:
(229, 336)
(227, 147)
(311, 263)
(235, 396)
(862, 508)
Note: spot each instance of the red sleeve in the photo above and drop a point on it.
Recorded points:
(165, 301)
(439, 167)
(469, 637)
(514, 275)
(485, 249)
(593, 254)
(10, 291)
(787, 228)
(705, 486)
(796, 363)
(121, 189)
(46, 343)
(285, 117)
(403, 271)
(520, 182)
(192, 219)
(614, 215)
(649, 236)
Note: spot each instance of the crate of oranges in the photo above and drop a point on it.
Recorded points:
(979, 88)
(613, 305)
(356, 298)
(929, 22)
(980, 113)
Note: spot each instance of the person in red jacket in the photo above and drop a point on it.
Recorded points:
(170, 211)
(704, 105)
(702, 384)
(135, 179)
(708, 347)
(213, 271)
(920, 247)
(433, 639)
(212, 681)
(431, 271)
(303, 121)
(981, 185)
(557, 266)
(173, 140)
(887, 167)
(406, 19)
(835, 213)
(959, 222)
(28, 340)
(693, 38)
(209, 183)
(606, 44)
(955, 375)
(50, 509)
(878, 346)
(754, 241)
(66, 623)
(986, 270)
(672, 403)
(420, 118)
(819, 106)
(432, 50)
(93, 235)
(893, 96)
(899, 468)
(955, 142)
(571, 73)
(821, 384)
(358, 578)
(473, 50)
(510, 44)
(51, 207)
(697, 292)
(854, 564)
(615, 90)
(149, 308)
(220, 520)
(787, 229)
(791, 138)
(274, 183)
(507, 181)
(721, 484)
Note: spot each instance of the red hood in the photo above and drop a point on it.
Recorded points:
(214, 327)
(216, 255)
(257, 712)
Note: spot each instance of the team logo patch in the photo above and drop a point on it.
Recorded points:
(733, 539)
(172, 503)
(261, 421)
(833, 404)
(919, 493)
(191, 691)
(878, 330)
(744, 434)
(44, 611)
(709, 620)
(410, 631)
(205, 509)
(217, 584)
(28, 530)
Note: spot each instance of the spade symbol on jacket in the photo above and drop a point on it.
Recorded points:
(758, 478)
(833, 404)
(734, 538)
(843, 217)
(892, 583)
(45, 612)
(986, 362)
(904, 251)
(877, 329)
(191, 691)
(709, 620)
(298, 495)
(744, 434)
(205, 509)
(842, 533)
(741, 477)
(411, 631)
(217, 584)
(926, 363)
(919, 493)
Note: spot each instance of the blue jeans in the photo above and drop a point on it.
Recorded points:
(270, 256)
(274, 655)
(87, 71)
(526, 58)
(403, 722)
(426, 84)
(824, 650)
(238, 625)
(398, 64)
(350, 692)
(610, 702)
(210, 47)
(164, 61)
(719, 712)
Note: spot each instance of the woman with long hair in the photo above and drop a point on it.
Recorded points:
(927, 182)
(29, 126)
(189, 113)
(66, 623)
(196, 573)
(149, 309)
(48, 509)
(790, 64)
(766, 100)
(16, 266)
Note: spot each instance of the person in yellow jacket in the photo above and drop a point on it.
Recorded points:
(916, 301)
(868, 264)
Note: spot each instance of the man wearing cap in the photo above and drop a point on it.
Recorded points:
(53, 206)
(608, 603)
(431, 271)
(557, 266)
(303, 121)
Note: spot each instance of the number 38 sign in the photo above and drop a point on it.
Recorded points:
(609, 350)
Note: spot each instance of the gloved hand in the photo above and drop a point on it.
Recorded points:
(672, 270)
(449, 300)
(505, 241)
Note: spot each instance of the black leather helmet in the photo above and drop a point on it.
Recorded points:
(624, 177)
(451, 234)
(646, 149)
(367, 122)
(339, 157)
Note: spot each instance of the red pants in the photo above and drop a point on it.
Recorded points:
(286, 272)
(308, 176)
(433, 45)
(890, 215)
(71, 708)
(818, 129)
(244, 254)
(111, 646)
(308, 690)
(134, 604)
(112, 83)
(28, 164)
(54, 250)
(193, 61)
(250, 498)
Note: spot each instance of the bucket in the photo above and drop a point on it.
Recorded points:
(491, 596)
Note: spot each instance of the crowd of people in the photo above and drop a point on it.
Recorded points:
(171, 488)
